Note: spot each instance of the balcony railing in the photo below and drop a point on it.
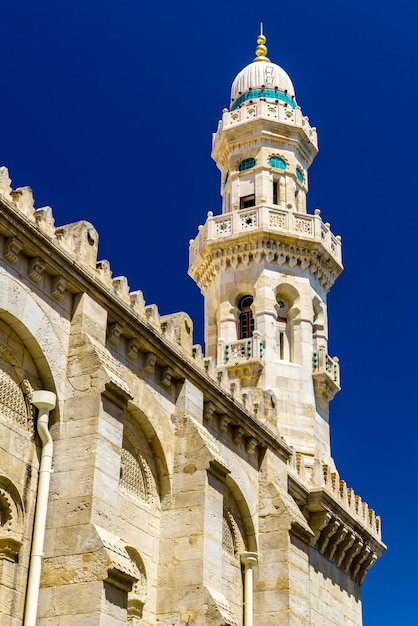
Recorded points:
(326, 374)
(243, 358)
(301, 225)
(243, 350)
(269, 111)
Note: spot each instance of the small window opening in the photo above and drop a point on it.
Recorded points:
(246, 319)
(275, 192)
(246, 164)
(247, 201)
(281, 346)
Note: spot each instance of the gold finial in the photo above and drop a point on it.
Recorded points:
(261, 49)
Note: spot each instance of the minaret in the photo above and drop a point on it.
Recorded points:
(265, 265)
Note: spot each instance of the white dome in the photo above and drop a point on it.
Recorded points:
(261, 75)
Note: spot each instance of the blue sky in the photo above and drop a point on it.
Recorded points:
(107, 111)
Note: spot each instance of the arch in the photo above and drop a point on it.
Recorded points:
(238, 537)
(246, 164)
(287, 292)
(11, 520)
(246, 317)
(278, 162)
(151, 418)
(137, 597)
(13, 404)
(238, 492)
(29, 320)
(286, 298)
(135, 474)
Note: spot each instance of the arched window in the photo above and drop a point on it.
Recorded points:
(135, 474)
(246, 164)
(277, 162)
(284, 347)
(299, 175)
(246, 319)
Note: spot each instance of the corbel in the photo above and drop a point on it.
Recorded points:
(351, 554)
(340, 537)
(36, 267)
(318, 521)
(223, 423)
(326, 535)
(114, 332)
(58, 287)
(359, 560)
(209, 412)
(166, 376)
(149, 362)
(238, 434)
(343, 548)
(365, 568)
(133, 349)
(251, 445)
(12, 247)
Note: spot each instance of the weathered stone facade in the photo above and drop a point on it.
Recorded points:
(185, 489)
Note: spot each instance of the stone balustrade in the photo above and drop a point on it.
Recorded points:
(267, 110)
(322, 363)
(301, 226)
(243, 359)
(243, 350)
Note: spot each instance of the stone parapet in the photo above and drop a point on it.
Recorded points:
(346, 531)
(290, 224)
(326, 376)
(269, 112)
(278, 235)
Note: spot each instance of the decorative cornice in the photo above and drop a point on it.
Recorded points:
(265, 234)
(263, 247)
(346, 531)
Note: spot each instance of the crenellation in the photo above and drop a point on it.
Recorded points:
(138, 302)
(152, 315)
(104, 271)
(81, 240)
(23, 200)
(45, 220)
(121, 287)
(5, 183)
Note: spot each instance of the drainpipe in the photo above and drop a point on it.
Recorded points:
(248, 559)
(44, 402)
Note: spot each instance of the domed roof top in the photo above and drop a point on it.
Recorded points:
(262, 79)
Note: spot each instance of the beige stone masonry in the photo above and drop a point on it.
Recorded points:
(188, 487)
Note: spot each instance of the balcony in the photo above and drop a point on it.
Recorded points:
(326, 376)
(243, 358)
(296, 226)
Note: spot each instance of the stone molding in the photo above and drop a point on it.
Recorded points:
(11, 521)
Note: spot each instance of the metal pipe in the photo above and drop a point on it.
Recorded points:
(44, 401)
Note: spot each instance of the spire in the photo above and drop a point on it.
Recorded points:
(261, 49)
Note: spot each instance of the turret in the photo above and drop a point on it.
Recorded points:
(265, 265)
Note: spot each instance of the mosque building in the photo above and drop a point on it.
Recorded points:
(144, 481)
